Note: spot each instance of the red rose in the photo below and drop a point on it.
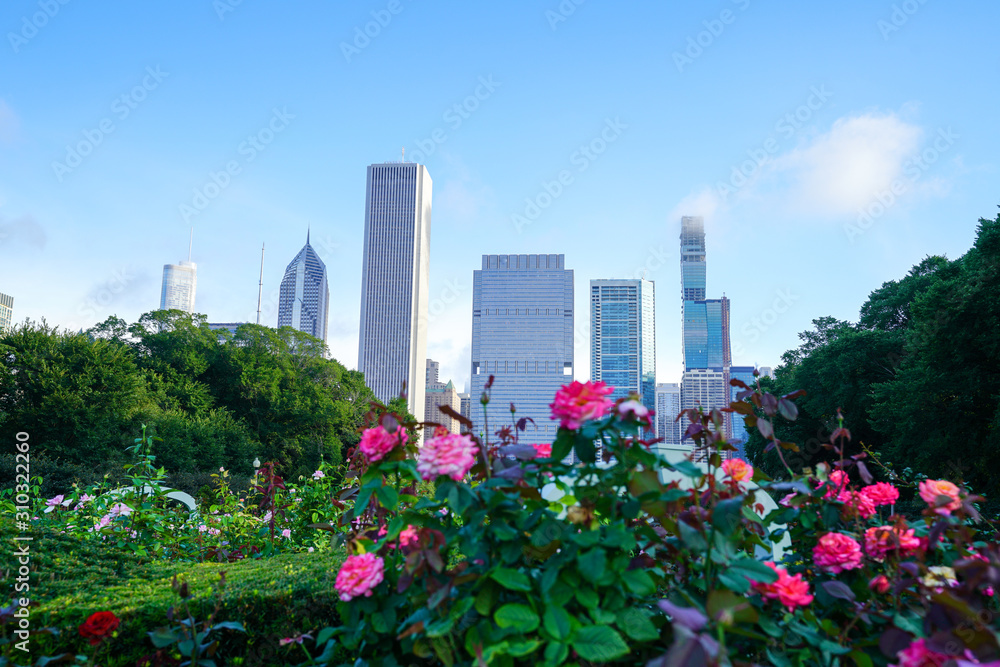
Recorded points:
(98, 627)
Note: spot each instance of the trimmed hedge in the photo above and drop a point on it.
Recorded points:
(273, 598)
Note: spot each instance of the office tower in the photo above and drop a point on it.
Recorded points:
(766, 371)
(739, 431)
(706, 334)
(705, 340)
(180, 281)
(304, 295)
(6, 312)
(623, 337)
(668, 406)
(522, 334)
(392, 347)
(438, 394)
(231, 327)
(465, 401)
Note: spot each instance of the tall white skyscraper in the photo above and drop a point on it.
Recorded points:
(623, 337)
(180, 281)
(392, 346)
(304, 296)
(6, 312)
(522, 334)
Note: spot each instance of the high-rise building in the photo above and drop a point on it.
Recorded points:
(739, 431)
(180, 281)
(706, 334)
(304, 295)
(623, 337)
(522, 334)
(465, 401)
(437, 394)
(6, 312)
(392, 347)
(705, 340)
(668, 406)
(767, 371)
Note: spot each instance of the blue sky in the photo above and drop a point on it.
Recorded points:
(829, 110)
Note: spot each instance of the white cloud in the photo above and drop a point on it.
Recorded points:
(842, 170)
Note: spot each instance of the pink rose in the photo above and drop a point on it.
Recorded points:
(836, 552)
(359, 575)
(791, 590)
(881, 493)
(409, 536)
(738, 469)
(543, 451)
(633, 410)
(56, 501)
(376, 442)
(857, 503)
(452, 455)
(932, 489)
(581, 402)
(838, 480)
(880, 540)
(918, 655)
(879, 584)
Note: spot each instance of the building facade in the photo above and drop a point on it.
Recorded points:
(706, 334)
(6, 312)
(392, 347)
(180, 282)
(668, 406)
(522, 334)
(466, 408)
(739, 430)
(304, 295)
(623, 337)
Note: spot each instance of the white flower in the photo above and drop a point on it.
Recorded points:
(318, 474)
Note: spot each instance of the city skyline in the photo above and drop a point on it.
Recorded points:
(870, 149)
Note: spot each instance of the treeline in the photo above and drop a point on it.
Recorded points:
(917, 377)
(215, 399)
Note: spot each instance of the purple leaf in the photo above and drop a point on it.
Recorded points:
(839, 589)
(687, 617)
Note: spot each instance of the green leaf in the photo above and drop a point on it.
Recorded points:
(563, 444)
(585, 450)
(691, 538)
(556, 653)
(599, 643)
(522, 648)
(727, 515)
(557, 622)
(162, 637)
(592, 563)
(520, 617)
(511, 579)
(325, 634)
(361, 503)
(754, 570)
(388, 497)
(860, 658)
(688, 468)
(587, 597)
(637, 625)
(229, 625)
(734, 582)
(639, 582)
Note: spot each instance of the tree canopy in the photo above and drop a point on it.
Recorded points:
(917, 377)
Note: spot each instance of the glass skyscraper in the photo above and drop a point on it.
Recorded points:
(692, 258)
(522, 334)
(668, 406)
(706, 334)
(304, 296)
(392, 347)
(739, 430)
(180, 281)
(623, 337)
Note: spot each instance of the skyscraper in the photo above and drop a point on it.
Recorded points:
(180, 281)
(668, 406)
(623, 337)
(522, 333)
(437, 394)
(739, 430)
(6, 312)
(304, 295)
(705, 337)
(392, 347)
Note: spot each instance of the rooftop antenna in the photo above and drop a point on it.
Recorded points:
(260, 285)
(404, 153)
(190, 242)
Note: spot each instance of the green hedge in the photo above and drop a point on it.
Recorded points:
(274, 598)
